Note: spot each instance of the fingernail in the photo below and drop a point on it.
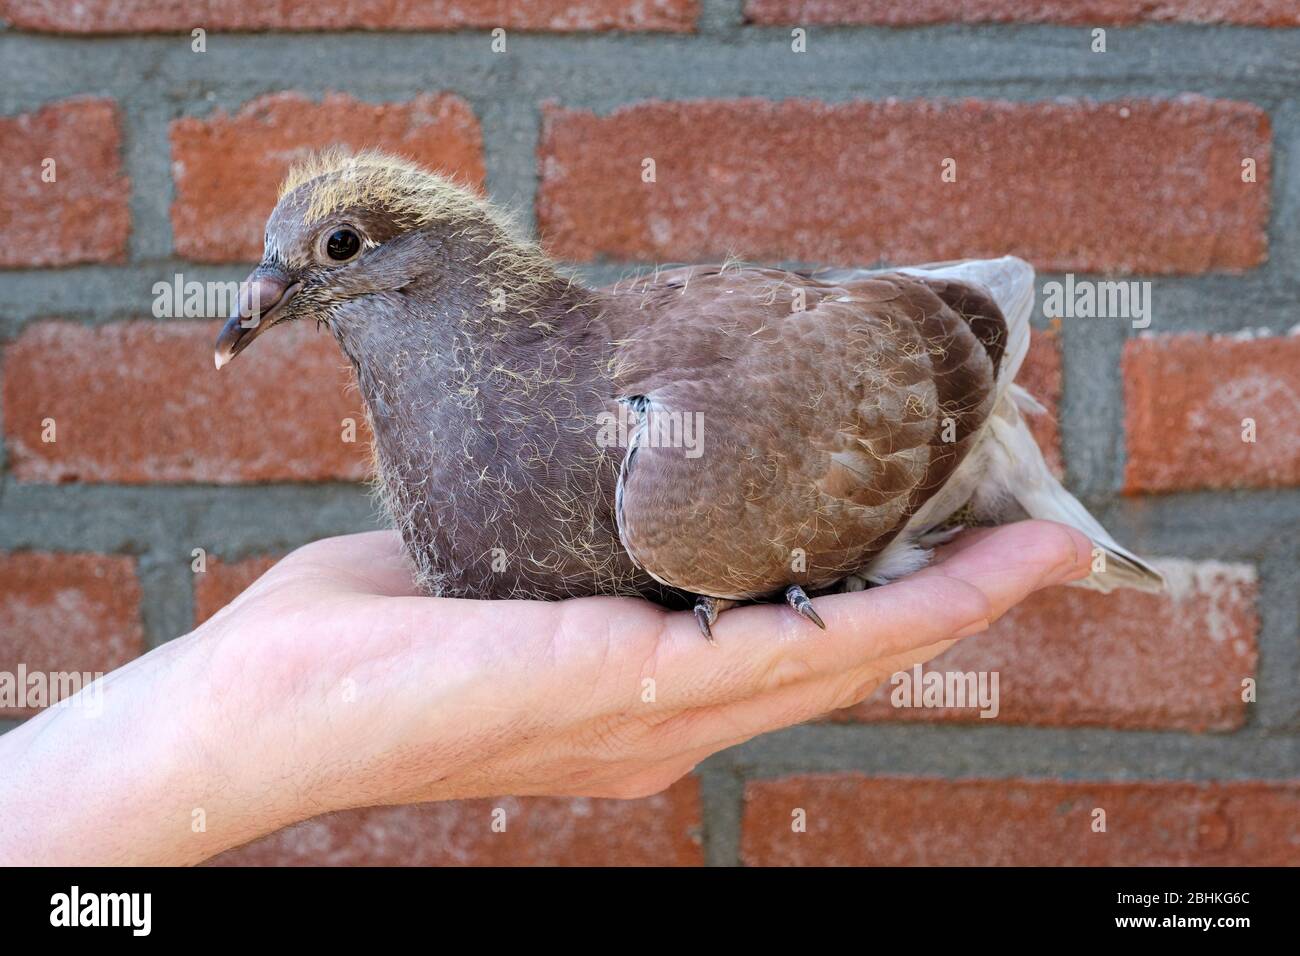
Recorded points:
(981, 625)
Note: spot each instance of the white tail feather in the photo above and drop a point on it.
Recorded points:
(1005, 474)
(1016, 470)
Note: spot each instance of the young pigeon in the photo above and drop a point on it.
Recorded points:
(714, 434)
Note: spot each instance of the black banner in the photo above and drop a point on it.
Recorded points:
(333, 905)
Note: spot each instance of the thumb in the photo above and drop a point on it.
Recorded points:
(1009, 563)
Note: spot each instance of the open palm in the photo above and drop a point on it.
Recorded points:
(395, 697)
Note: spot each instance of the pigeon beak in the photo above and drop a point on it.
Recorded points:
(263, 298)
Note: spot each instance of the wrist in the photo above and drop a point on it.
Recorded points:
(157, 772)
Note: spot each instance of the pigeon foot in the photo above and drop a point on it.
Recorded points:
(797, 599)
(707, 610)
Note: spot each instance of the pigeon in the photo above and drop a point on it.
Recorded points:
(701, 436)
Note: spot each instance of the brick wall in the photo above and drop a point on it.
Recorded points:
(1125, 164)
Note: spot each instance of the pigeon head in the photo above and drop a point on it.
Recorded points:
(366, 235)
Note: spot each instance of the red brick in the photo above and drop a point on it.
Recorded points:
(1272, 13)
(67, 613)
(1186, 398)
(83, 216)
(139, 402)
(221, 206)
(1041, 376)
(1054, 182)
(862, 821)
(1070, 657)
(149, 16)
(663, 830)
(222, 582)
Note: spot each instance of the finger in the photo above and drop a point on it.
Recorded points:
(372, 562)
(721, 726)
(1008, 564)
(964, 540)
(1000, 568)
(766, 647)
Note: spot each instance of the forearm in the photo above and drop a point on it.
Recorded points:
(155, 773)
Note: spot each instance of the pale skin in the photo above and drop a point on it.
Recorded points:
(331, 684)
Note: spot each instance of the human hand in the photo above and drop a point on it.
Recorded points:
(400, 698)
(330, 683)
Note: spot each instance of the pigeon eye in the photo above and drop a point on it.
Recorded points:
(342, 245)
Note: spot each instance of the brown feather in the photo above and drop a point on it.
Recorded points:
(823, 427)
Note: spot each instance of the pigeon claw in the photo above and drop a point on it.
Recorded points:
(797, 599)
(706, 613)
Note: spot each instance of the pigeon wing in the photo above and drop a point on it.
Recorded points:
(784, 429)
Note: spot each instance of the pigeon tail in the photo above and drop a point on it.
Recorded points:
(1005, 476)
(1016, 470)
